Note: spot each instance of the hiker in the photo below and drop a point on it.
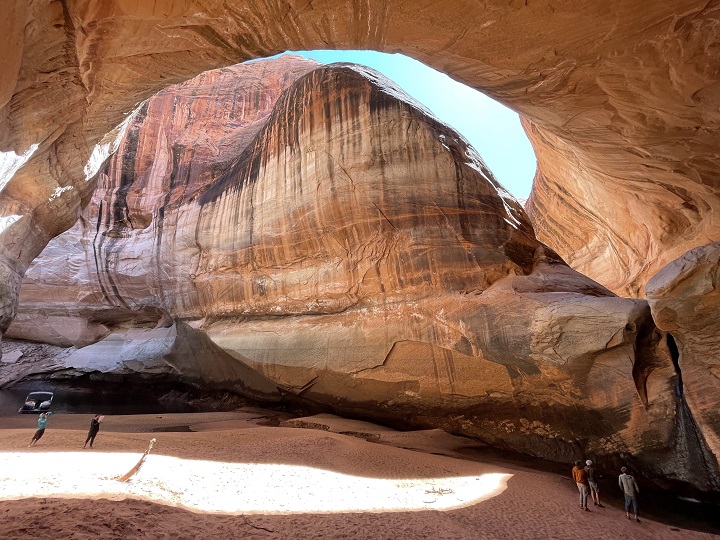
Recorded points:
(630, 489)
(94, 428)
(580, 476)
(593, 483)
(42, 422)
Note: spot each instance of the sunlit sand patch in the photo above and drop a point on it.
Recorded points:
(245, 488)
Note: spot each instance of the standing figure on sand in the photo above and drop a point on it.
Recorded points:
(593, 483)
(42, 422)
(94, 428)
(630, 490)
(581, 479)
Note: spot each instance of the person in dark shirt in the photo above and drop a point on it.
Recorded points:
(94, 428)
(593, 483)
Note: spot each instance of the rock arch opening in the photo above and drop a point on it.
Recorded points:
(591, 85)
(493, 129)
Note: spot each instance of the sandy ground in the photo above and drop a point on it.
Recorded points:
(225, 475)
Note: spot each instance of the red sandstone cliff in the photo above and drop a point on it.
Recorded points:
(341, 245)
(621, 98)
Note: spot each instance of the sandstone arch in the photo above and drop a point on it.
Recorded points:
(291, 232)
(619, 99)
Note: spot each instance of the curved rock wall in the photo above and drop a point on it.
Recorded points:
(684, 298)
(621, 98)
(355, 253)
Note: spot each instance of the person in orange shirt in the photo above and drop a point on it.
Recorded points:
(580, 476)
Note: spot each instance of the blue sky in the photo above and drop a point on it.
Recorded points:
(493, 129)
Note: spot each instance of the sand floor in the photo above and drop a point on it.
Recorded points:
(225, 475)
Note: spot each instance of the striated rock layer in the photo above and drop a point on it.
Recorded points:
(356, 254)
(620, 99)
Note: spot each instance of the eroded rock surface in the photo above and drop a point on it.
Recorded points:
(685, 298)
(357, 254)
(620, 98)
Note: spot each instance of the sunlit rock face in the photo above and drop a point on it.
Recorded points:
(172, 147)
(356, 253)
(620, 98)
(684, 298)
(345, 193)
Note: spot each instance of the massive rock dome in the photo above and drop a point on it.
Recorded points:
(284, 229)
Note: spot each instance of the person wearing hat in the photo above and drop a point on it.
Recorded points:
(631, 490)
(580, 476)
(593, 483)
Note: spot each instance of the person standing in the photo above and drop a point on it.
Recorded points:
(42, 422)
(630, 490)
(94, 428)
(580, 477)
(593, 483)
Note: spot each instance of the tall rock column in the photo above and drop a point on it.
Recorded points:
(685, 300)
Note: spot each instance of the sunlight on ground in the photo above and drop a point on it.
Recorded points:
(233, 487)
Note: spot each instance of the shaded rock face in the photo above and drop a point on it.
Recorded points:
(684, 299)
(355, 254)
(138, 359)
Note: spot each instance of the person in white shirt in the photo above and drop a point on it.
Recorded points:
(630, 489)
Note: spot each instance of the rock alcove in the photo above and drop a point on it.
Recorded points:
(620, 103)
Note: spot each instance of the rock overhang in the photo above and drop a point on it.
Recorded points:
(617, 98)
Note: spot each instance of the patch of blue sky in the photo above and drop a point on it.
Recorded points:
(491, 128)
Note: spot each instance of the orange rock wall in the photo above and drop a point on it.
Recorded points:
(621, 99)
(684, 299)
(342, 247)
